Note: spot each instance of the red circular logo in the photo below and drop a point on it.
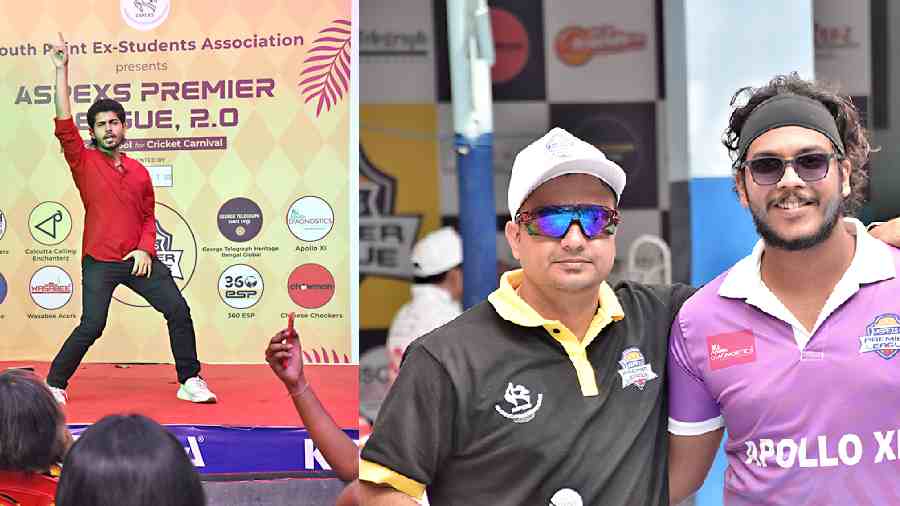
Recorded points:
(311, 286)
(510, 45)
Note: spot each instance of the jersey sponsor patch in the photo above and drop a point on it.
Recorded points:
(520, 406)
(635, 369)
(729, 349)
(882, 336)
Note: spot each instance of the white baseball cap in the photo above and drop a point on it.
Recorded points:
(557, 153)
(437, 252)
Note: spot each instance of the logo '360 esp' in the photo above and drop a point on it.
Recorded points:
(240, 286)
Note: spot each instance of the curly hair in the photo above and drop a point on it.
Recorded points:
(853, 134)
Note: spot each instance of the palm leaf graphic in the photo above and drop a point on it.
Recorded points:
(326, 75)
(316, 358)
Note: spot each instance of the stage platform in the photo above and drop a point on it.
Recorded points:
(252, 432)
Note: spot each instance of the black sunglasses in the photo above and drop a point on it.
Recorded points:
(768, 170)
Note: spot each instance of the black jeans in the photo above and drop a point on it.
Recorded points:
(99, 279)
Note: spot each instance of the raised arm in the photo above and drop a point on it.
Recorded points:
(60, 58)
(284, 357)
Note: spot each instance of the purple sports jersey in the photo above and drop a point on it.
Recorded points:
(812, 417)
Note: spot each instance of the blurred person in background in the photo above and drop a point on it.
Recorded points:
(437, 290)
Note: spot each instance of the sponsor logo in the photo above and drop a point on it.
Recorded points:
(374, 43)
(577, 45)
(635, 369)
(144, 14)
(240, 286)
(2, 224)
(165, 250)
(560, 145)
(51, 287)
(566, 497)
(240, 219)
(311, 286)
(4, 288)
(831, 37)
(523, 409)
(882, 336)
(385, 238)
(310, 218)
(161, 175)
(193, 451)
(50, 223)
(176, 248)
(733, 348)
(815, 452)
(511, 45)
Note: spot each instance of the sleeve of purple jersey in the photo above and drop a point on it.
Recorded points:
(692, 409)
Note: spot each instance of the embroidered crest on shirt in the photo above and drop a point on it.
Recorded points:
(882, 336)
(635, 369)
(731, 348)
(523, 409)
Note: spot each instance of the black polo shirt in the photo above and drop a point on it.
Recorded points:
(502, 407)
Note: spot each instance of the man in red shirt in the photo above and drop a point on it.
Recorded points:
(119, 239)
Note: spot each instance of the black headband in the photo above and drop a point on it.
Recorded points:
(789, 110)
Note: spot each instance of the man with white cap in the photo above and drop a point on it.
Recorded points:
(550, 392)
(436, 292)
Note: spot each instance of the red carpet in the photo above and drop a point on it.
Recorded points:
(249, 395)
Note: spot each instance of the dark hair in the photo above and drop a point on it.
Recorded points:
(853, 133)
(128, 459)
(104, 105)
(31, 424)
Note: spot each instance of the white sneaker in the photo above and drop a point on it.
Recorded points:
(59, 394)
(196, 390)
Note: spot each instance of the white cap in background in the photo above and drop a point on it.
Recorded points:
(437, 252)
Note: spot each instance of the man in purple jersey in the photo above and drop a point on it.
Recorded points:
(794, 350)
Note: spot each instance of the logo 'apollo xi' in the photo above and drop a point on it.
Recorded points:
(385, 238)
(523, 410)
(882, 336)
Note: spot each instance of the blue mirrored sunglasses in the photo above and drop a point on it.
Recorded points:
(554, 221)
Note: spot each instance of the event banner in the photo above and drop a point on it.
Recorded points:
(242, 113)
(230, 450)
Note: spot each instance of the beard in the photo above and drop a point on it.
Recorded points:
(834, 210)
(113, 142)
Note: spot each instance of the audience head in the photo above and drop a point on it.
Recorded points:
(33, 433)
(128, 459)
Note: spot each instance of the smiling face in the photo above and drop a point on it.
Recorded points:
(793, 214)
(572, 263)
